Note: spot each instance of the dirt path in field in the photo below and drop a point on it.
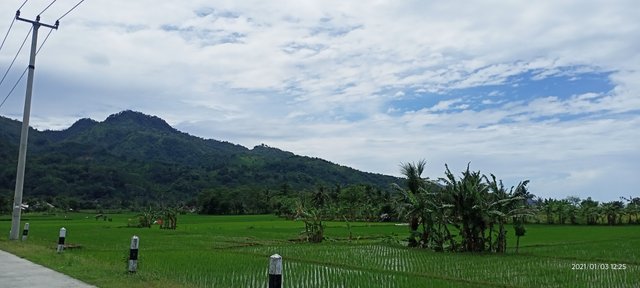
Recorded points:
(17, 272)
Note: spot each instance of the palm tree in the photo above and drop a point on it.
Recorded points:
(613, 211)
(549, 208)
(563, 210)
(590, 211)
(573, 209)
(413, 173)
(413, 202)
(320, 197)
(632, 209)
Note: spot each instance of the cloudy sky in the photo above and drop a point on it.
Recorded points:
(541, 90)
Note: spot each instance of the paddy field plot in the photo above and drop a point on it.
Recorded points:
(233, 251)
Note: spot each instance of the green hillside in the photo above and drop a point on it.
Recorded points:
(135, 160)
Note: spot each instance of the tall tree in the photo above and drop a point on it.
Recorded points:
(632, 209)
(413, 204)
(590, 210)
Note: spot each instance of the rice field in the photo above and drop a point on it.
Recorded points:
(233, 251)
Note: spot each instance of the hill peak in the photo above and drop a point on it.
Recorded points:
(138, 118)
(83, 123)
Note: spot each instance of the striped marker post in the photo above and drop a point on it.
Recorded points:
(133, 254)
(275, 271)
(25, 231)
(62, 235)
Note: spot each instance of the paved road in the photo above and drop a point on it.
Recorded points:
(13, 272)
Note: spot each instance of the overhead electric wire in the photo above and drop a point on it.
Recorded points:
(14, 87)
(45, 9)
(11, 26)
(39, 48)
(25, 2)
(44, 41)
(15, 57)
(74, 7)
(6, 35)
(25, 70)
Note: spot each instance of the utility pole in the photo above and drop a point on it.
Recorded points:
(22, 156)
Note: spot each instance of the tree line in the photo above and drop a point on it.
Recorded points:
(573, 210)
(472, 212)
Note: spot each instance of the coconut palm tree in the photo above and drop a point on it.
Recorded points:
(573, 209)
(590, 210)
(413, 203)
(319, 197)
(564, 210)
(549, 208)
(612, 211)
(632, 209)
(413, 173)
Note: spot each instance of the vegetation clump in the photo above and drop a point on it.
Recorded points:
(476, 206)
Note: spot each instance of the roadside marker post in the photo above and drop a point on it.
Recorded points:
(133, 254)
(25, 232)
(275, 271)
(62, 235)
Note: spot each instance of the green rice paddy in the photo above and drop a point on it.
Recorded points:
(233, 251)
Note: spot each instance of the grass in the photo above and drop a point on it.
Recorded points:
(233, 251)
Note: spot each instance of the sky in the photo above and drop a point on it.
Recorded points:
(547, 91)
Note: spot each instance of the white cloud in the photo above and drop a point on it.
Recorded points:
(295, 74)
(444, 105)
(399, 94)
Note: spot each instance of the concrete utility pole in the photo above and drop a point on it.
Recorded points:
(22, 156)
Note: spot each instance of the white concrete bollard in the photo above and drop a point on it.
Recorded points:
(133, 254)
(62, 235)
(25, 232)
(275, 271)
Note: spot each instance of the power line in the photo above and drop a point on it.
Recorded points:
(14, 58)
(39, 48)
(74, 7)
(45, 9)
(6, 35)
(25, 2)
(44, 41)
(25, 71)
(14, 87)
(11, 26)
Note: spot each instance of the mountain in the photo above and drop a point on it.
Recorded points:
(133, 159)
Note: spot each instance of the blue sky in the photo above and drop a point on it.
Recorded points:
(526, 86)
(547, 90)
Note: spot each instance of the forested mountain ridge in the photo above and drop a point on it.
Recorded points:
(134, 160)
